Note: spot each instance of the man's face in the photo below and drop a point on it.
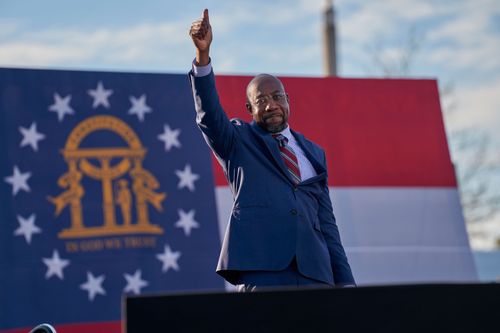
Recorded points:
(268, 103)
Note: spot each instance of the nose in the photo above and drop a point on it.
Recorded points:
(271, 104)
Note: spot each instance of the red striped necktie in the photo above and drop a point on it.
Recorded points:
(289, 157)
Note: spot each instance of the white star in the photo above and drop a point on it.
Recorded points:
(186, 178)
(186, 221)
(27, 227)
(18, 180)
(170, 137)
(55, 265)
(100, 95)
(134, 282)
(31, 136)
(61, 106)
(139, 107)
(169, 259)
(93, 285)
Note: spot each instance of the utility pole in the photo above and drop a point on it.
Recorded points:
(329, 40)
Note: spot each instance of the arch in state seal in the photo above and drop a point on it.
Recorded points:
(114, 179)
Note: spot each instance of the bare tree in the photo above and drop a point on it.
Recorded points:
(397, 63)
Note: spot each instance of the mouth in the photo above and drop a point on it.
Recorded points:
(273, 118)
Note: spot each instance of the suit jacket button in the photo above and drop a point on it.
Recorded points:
(293, 211)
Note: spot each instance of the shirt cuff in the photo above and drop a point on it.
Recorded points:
(199, 71)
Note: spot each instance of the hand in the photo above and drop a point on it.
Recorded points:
(201, 34)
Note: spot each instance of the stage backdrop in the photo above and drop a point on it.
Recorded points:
(109, 189)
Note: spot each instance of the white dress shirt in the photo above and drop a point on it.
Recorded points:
(306, 169)
(199, 71)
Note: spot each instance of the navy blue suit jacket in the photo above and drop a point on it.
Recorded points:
(272, 219)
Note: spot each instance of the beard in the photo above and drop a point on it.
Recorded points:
(274, 126)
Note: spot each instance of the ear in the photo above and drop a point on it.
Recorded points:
(287, 98)
(249, 107)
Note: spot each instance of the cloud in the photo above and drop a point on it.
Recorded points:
(237, 27)
(480, 107)
(455, 34)
(467, 41)
(38, 54)
(107, 47)
(254, 16)
(279, 37)
(362, 21)
(475, 58)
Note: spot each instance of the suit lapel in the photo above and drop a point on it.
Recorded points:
(308, 151)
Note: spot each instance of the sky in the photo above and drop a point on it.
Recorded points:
(456, 42)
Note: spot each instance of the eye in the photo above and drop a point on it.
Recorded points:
(260, 101)
(279, 97)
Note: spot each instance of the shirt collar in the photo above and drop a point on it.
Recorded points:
(287, 133)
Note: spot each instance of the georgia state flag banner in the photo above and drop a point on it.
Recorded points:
(105, 192)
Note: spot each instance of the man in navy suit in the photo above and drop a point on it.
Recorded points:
(282, 230)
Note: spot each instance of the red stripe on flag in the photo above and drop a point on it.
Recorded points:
(376, 132)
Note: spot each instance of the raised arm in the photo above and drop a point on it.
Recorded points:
(210, 117)
(201, 34)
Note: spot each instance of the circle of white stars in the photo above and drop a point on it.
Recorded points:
(27, 228)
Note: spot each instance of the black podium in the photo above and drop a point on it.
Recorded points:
(404, 308)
